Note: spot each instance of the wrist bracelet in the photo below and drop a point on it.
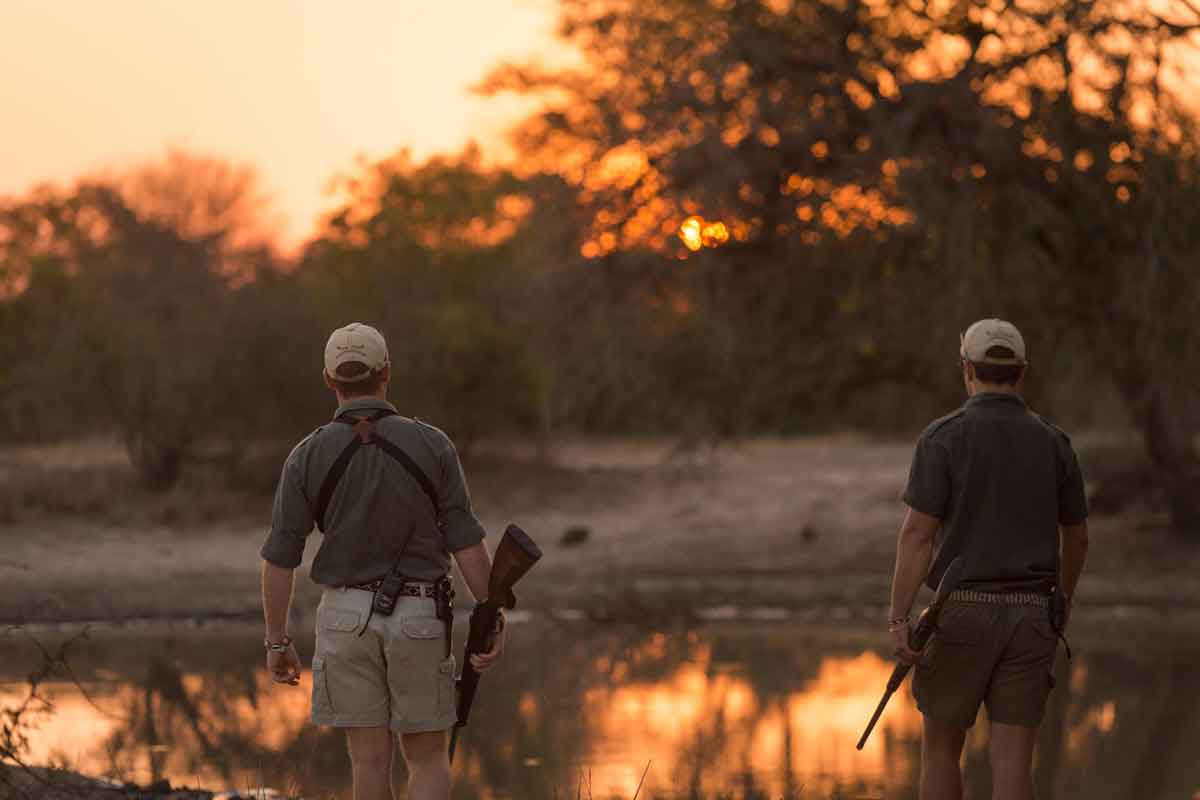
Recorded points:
(280, 646)
(896, 623)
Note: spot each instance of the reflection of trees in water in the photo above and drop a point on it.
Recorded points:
(1097, 718)
(168, 715)
(187, 718)
(740, 711)
(525, 732)
(1118, 725)
(716, 712)
(1133, 727)
(568, 716)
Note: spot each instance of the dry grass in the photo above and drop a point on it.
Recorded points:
(92, 481)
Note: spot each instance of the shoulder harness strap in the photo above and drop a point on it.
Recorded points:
(364, 434)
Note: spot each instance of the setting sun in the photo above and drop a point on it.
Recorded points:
(697, 233)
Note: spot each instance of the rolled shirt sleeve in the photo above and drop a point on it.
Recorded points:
(456, 519)
(291, 515)
(929, 485)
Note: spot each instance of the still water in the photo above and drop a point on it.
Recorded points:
(766, 709)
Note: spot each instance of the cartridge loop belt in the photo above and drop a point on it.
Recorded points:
(1006, 599)
(407, 590)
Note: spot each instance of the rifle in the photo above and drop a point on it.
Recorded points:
(918, 637)
(516, 554)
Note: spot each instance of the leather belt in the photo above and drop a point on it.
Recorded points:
(1005, 599)
(407, 590)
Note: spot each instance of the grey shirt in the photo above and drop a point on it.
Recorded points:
(1001, 480)
(376, 506)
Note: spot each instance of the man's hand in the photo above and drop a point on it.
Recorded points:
(284, 666)
(902, 651)
(482, 661)
(277, 599)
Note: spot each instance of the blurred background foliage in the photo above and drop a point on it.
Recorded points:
(730, 217)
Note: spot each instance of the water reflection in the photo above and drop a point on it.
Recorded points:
(732, 710)
(707, 729)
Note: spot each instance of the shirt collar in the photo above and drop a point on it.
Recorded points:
(365, 404)
(995, 399)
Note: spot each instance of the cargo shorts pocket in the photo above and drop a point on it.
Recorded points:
(321, 705)
(1035, 641)
(338, 619)
(422, 628)
(447, 696)
(964, 623)
(1023, 677)
(951, 680)
(958, 632)
(416, 658)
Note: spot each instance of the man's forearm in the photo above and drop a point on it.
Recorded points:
(1074, 554)
(914, 551)
(277, 585)
(475, 564)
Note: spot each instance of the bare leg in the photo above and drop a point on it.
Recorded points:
(371, 761)
(1011, 753)
(428, 765)
(941, 751)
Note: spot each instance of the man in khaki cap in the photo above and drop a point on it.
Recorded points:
(389, 494)
(999, 487)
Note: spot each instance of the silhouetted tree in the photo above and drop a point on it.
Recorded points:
(125, 316)
(886, 172)
(427, 252)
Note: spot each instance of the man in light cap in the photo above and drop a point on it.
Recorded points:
(999, 487)
(389, 494)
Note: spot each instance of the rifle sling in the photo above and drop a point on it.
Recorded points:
(331, 481)
(364, 434)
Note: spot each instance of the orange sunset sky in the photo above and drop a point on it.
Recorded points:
(298, 89)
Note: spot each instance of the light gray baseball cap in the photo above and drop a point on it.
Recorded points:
(355, 344)
(988, 333)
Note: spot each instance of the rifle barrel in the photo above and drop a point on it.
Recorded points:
(887, 695)
(919, 636)
(898, 675)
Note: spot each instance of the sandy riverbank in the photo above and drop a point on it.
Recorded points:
(790, 524)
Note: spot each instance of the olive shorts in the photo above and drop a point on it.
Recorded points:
(999, 655)
(396, 674)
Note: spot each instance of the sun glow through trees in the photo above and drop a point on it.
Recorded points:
(697, 233)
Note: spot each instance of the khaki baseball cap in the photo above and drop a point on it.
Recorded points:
(355, 344)
(988, 333)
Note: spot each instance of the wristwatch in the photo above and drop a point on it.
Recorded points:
(278, 647)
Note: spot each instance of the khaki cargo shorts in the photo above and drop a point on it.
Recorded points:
(1001, 656)
(396, 673)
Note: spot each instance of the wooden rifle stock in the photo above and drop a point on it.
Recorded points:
(515, 556)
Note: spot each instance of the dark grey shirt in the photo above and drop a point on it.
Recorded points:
(1001, 480)
(376, 505)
